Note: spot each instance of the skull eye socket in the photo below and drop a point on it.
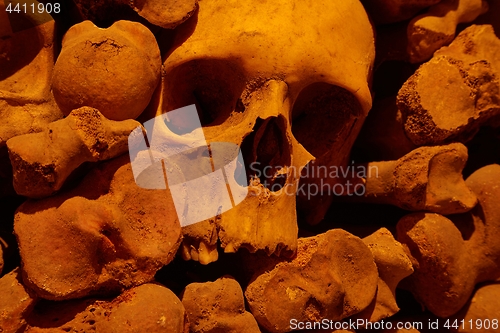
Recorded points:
(322, 117)
(213, 85)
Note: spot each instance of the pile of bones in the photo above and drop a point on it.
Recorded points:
(368, 135)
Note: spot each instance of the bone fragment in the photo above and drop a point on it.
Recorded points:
(393, 266)
(450, 258)
(27, 57)
(104, 236)
(164, 13)
(217, 307)
(43, 161)
(467, 73)
(16, 302)
(481, 310)
(147, 308)
(427, 178)
(333, 276)
(430, 31)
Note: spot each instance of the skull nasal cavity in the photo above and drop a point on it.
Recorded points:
(266, 153)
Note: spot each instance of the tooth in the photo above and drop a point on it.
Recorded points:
(186, 251)
(194, 253)
(229, 248)
(207, 253)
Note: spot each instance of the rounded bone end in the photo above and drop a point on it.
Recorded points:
(122, 314)
(322, 281)
(218, 307)
(165, 312)
(443, 277)
(165, 13)
(483, 305)
(114, 70)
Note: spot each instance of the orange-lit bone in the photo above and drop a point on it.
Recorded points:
(42, 161)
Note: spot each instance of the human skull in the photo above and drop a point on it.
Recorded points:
(286, 81)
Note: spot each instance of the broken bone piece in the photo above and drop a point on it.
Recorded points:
(125, 313)
(430, 31)
(449, 261)
(165, 312)
(445, 275)
(114, 70)
(468, 74)
(167, 14)
(427, 178)
(217, 307)
(111, 235)
(393, 266)
(15, 303)
(43, 161)
(27, 59)
(333, 276)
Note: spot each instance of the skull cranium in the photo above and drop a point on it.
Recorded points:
(288, 82)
